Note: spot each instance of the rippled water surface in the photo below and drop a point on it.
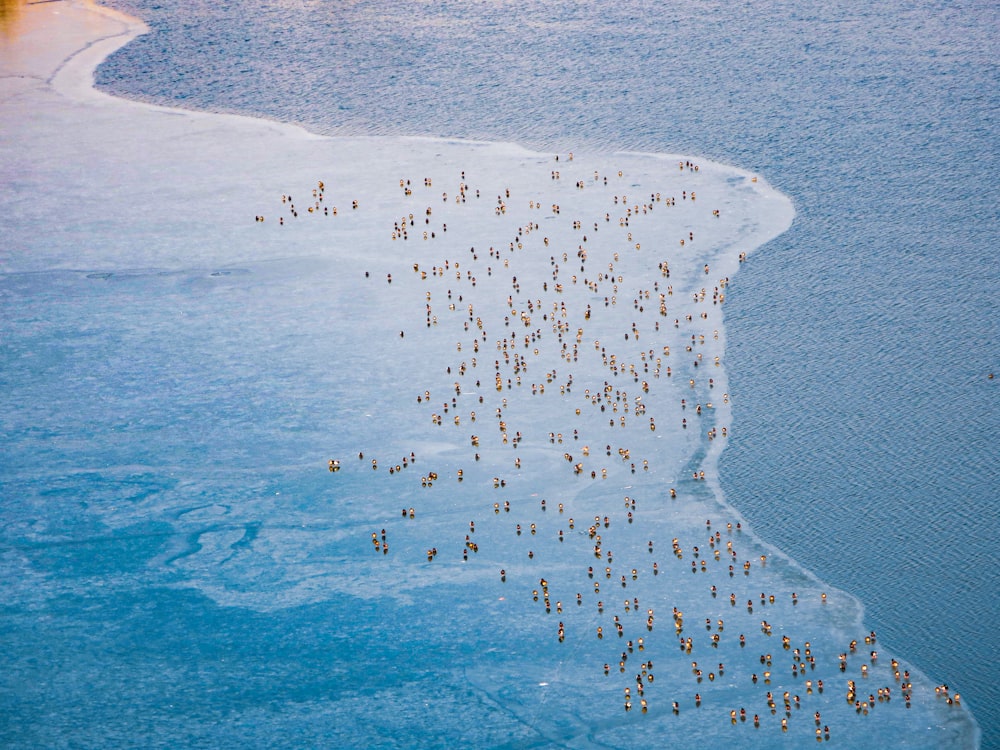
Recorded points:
(860, 341)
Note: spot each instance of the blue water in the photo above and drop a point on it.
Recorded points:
(859, 342)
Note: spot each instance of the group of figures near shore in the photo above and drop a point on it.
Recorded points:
(619, 337)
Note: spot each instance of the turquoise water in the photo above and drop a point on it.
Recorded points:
(858, 345)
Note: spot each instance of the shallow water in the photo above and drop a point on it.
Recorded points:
(861, 339)
(226, 339)
(173, 531)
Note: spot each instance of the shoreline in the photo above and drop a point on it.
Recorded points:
(73, 78)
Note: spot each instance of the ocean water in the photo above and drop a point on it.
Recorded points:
(175, 544)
